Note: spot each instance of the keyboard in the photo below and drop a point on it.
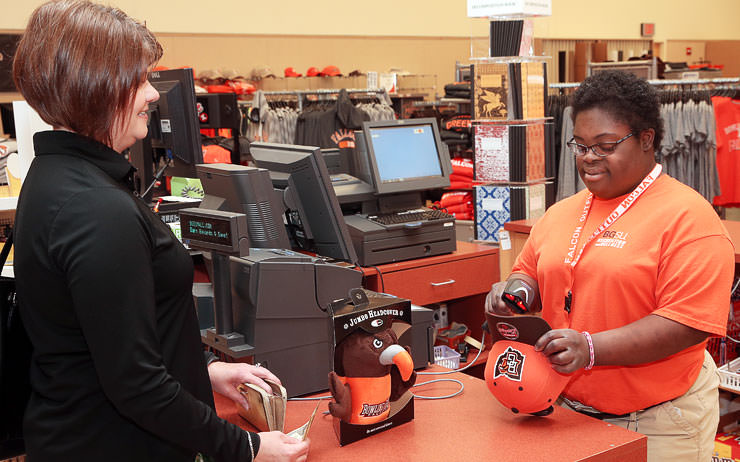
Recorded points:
(342, 179)
(409, 216)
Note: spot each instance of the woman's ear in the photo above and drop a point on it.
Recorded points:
(646, 139)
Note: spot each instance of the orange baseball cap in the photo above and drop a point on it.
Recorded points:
(312, 72)
(290, 72)
(332, 71)
(519, 377)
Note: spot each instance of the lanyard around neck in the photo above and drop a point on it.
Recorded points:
(620, 210)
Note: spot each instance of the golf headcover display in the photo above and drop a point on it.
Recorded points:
(364, 381)
(521, 378)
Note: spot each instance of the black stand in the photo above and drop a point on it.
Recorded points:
(222, 337)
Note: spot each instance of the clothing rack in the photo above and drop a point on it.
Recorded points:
(306, 94)
(662, 82)
(695, 81)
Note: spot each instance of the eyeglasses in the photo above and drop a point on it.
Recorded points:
(600, 149)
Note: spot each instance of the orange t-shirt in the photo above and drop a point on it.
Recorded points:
(668, 255)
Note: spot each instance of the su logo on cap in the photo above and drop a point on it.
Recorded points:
(510, 364)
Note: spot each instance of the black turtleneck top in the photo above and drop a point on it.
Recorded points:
(118, 370)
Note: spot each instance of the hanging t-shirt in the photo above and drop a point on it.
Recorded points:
(727, 114)
(333, 127)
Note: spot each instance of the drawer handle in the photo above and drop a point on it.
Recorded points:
(436, 284)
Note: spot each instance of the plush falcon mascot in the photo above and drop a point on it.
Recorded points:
(364, 381)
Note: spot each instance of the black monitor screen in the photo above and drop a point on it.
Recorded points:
(174, 135)
(406, 155)
(174, 129)
(319, 225)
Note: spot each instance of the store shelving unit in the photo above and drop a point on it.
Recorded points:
(509, 127)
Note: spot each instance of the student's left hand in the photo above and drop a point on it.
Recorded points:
(567, 349)
(225, 377)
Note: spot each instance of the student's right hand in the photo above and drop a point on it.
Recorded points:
(279, 447)
(494, 303)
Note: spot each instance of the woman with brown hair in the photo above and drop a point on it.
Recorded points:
(118, 370)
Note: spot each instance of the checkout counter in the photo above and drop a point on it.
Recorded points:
(469, 426)
(472, 425)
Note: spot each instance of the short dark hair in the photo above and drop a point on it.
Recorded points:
(79, 65)
(627, 98)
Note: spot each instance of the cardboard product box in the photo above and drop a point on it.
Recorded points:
(355, 81)
(417, 84)
(599, 52)
(273, 83)
(370, 391)
(726, 447)
(581, 58)
(389, 82)
(465, 230)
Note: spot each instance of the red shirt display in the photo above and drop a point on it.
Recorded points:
(727, 115)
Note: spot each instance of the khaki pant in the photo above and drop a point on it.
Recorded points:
(682, 429)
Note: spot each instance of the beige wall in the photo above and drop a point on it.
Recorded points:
(244, 52)
(420, 36)
(675, 50)
(326, 17)
(674, 19)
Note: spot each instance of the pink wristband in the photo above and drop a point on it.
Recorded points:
(590, 351)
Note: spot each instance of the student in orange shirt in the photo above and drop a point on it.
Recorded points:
(634, 275)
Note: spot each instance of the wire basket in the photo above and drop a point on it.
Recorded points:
(728, 377)
(446, 357)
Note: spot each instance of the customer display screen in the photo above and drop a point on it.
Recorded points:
(206, 229)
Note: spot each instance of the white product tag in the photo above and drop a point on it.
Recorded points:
(504, 240)
(165, 124)
(492, 144)
(494, 205)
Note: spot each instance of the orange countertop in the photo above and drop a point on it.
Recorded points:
(470, 426)
(520, 226)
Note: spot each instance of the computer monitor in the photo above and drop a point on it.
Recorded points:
(220, 110)
(315, 219)
(247, 190)
(406, 155)
(174, 132)
(336, 161)
(176, 136)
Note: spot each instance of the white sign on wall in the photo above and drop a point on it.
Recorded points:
(489, 8)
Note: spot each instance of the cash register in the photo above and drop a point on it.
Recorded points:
(395, 163)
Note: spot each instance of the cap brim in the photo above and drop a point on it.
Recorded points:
(524, 329)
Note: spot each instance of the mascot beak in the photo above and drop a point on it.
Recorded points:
(396, 354)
